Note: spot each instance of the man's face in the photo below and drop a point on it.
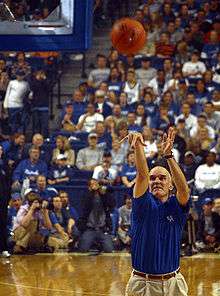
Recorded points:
(194, 58)
(145, 64)
(78, 96)
(38, 140)
(208, 108)
(92, 141)
(41, 182)
(131, 118)
(57, 203)
(128, 203)
(207, 209)
(160, 183)
(64, 199)
(20, 140)
(69, 109)
(90, 109)
(117, 110)
(101, 62)
(100, 99)
(16, 203)
(100, 128)
(201, 122)
(94, 185)
(34, 154)
(185, 109)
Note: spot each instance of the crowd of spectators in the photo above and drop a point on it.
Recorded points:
(173, 81)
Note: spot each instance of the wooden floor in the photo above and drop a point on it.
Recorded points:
(103, 275)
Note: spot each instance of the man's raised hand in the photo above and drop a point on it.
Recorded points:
(134, 138)
(167, 141)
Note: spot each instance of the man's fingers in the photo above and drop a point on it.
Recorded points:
(122, 140)
(164, 138)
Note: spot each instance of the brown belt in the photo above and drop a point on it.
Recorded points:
(161, 277)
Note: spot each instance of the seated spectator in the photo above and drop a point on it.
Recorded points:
(207, 176)
(31, 226)
(79, 106)
(4, 79)
(14, 205)
(189, 167)
(211, 49)
(146, 73)
(104, 137)
(100, 74)
(101, 106)
(202, 123)
(175, 34)
(45, 192)
(216, 99)
(63, 223)
(38, 141)
(162, 121)
(195, 107)
(29, 169)
(63, 147)
(141, 119)
(122, 132)
(88, 158)
(124, 228)
(40, 89)
(128, 173)
(21, 65)
(67, 118)
(118, 155)
(190, 119)
(164, 48)
(213, 117)
(209, 226)
(123, 98)
(95, 221)
(150, 149)
(150, 105)
(105, 173)
(17, 91)
(182, 54)
(63, 195)
(16, 150)
(158, 83)
(60, 172)
(132, 126)
(208, 80)
(114, 82)
(168, 69)
(194, 69)
(117, 115)
(87, 121)
(173, 106)
(201, 94)
(131, 88)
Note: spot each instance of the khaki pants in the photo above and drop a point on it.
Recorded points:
(29, 237)
(138, 286)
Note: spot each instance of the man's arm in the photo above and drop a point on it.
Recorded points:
(177, 175)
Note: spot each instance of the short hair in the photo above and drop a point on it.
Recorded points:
(33, 147)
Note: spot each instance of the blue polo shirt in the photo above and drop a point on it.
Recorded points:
(156, 233)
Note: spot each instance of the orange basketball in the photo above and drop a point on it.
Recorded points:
(128, 36)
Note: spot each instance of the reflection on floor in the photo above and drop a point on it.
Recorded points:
(85, 275)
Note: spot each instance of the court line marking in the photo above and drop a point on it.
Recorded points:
(54, 290)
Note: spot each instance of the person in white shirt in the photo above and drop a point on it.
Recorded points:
(207, 176)
(158, 83)
(87, 122)
(146, 73)
(202, 123)
(194, 69)
(132, 88)
(190, 119)
(16, 92)
(104, 173)
(100, 74)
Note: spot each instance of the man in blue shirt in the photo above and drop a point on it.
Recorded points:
(157, 223)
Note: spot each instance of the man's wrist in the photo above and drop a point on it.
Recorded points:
(168, 156)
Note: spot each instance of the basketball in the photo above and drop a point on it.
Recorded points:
(128, 36)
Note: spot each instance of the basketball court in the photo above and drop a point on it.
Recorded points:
(88, 275)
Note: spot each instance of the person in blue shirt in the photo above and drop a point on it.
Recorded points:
(128, 172)
(46, 192)
(132, 126)
(158, 218)
(13, 208)
(60, 173)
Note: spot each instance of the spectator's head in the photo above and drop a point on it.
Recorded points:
(184, 10)
(161, 76)
(78, 96)
(113, 56)
(148, 97)
(147, 133)
(128, 201)
(116, 145)
(61, 160)
(93, 185)
(90, 109)
(114, 74)
(2, 64)
(63, 195)
(160, 183)
(140, 111)
(112, 98)
(209, 108)
(138, 15)
(178, 22)
(182, 47)
(167, 8)
(123, 99)
(100, 128)
(92, 140)
(131, 76)
(216, 23)
(99, 96)
(62, 143)
(19, 139)
(37, 140)
(122, 129)
(216, 96)
(57, 203)
(16, 200)
(41, 182)
(33, 197)
(103, 87)
(131, 158)
(171, 27)
(106, 166)
(20, 57)
(131, 118)
(34, 154)
(69, 108)
(107, 157)
(165, 38)
(210, 158)
(20, 75)
(167, 98)
(190, 99)
(145, 63)
(194, 27)
(200, 86)
(207, 206)
(110, 124)
(167, 65)
(195, 56)
(163, 110)
(207, 76)
(186, 109)
(181, 125)
(202, 120)
(101, 61)
(213, 37)
(116, 110)
(189, 158)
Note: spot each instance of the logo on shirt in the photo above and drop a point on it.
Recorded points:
(170, 219)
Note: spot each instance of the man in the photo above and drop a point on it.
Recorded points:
(100, 104)
(88, 158)
(202, 123)
(45, 192)
(190, 119)
(158, 219)
(100, 74)
(146, 73)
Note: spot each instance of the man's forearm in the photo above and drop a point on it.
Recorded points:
(140, 161)
(179, 181)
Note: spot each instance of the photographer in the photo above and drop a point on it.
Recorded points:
(95, 222)
(32, 225)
